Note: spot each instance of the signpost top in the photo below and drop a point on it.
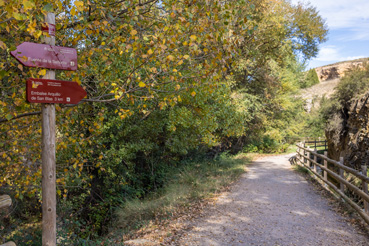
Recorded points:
(46, 56)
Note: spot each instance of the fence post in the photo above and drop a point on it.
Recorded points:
(325, 144)
(308, 161)
(315, 159)
(304, 152)
(342, 186)
(326, 166)
(365, 188)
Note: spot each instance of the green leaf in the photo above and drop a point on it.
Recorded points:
(48, 7)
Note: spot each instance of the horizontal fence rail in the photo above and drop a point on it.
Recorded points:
(316, 144)
(309, 158)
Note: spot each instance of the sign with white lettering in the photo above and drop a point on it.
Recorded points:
(46, 56)
(54, 91)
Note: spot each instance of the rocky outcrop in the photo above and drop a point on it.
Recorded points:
(338, 70)
(348, 133)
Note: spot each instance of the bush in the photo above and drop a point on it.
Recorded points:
(311, 78)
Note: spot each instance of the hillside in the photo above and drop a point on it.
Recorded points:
(337, 70)
(329, 77)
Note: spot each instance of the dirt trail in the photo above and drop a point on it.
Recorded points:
(271, 205)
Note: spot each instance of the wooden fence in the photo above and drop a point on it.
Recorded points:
(329, 170)
(316, 144)
(6, 201)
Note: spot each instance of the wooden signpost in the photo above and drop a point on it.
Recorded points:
(48, 160)
(48, 91)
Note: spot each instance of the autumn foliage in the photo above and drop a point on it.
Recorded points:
(164, 80)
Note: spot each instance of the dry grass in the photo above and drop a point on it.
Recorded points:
(195, 183)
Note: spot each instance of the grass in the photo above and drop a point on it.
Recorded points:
(301, 169)
(196, 180)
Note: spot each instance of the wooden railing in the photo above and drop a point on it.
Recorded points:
(336, 171)
(316, 144)
(6, 201)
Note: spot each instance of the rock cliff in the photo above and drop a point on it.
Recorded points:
(336, 71)
(348, 133)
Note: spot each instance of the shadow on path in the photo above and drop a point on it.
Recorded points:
(272, 205)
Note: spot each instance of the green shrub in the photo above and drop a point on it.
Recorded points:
(311, 78)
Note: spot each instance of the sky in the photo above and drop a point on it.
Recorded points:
(348, 24)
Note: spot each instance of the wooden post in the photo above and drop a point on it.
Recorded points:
(365, 188)
(315, 158)
(326, 166)
(315, 144)
(308, 161)
(48, 160)
(342, 186)
(325, 144)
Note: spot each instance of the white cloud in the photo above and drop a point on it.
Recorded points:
(331, 53)
(328, 53)
(349, 14)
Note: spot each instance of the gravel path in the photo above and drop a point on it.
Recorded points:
(271, 205)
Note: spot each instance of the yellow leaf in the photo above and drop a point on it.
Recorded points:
(193, 93)
(180, 62)
(175, 70)
(42, 72)
(178, 87)
(17, 16)
(193, 37)
(141, 84)
(78, 4)
(73, 11)
(170, 58)
(133, 32)
(2, 44)
(37, 34)
(1, 2)
(28, 4)
(59, 192)
(186, 57)
(150, 52)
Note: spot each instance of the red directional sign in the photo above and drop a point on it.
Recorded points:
(54, 91)
(46, 56)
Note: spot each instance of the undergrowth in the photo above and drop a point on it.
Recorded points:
(195, 180)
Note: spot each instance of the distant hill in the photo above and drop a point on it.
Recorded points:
(337, 70)
(329, 76)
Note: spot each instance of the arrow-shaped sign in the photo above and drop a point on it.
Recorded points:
(46, 56)
(54, 91)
